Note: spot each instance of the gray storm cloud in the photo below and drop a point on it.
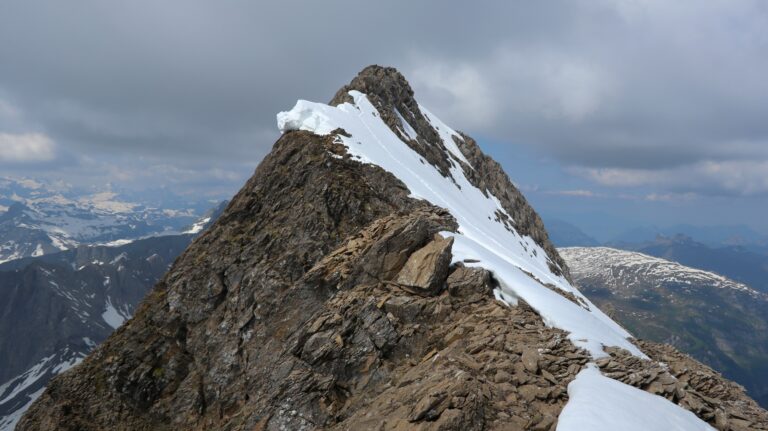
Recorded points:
(617, 90)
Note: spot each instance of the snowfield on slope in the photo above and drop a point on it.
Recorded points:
(516, 261)
(480, 237)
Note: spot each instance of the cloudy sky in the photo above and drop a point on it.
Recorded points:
(605, 112)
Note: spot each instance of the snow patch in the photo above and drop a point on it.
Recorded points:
(8, 423)
(599, 403)
(56, 242)
(407, 129)
(119, 258)
(112, 316)
(117, 242)
(198, 227)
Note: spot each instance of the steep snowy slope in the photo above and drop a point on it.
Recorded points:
(485, 237)
(377, 272)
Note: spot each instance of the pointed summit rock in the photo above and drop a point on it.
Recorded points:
(297, 309)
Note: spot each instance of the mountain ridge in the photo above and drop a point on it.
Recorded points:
(55, 308)
(334, 293)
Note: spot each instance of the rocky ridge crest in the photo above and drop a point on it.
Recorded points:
(321, 299)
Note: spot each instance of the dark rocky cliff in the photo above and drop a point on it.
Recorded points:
(322, 299)
(55, 308)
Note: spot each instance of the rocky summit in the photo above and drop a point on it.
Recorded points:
(378, 271)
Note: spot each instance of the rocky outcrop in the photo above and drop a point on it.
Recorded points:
(427, 268)
(324, 298)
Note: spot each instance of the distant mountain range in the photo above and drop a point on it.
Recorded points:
(56, 307)
(38, 217)
(735, 262)
(747, 263)
(712, 236)
(564, 234)
(718, 321)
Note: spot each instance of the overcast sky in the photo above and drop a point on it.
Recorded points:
(659, 105)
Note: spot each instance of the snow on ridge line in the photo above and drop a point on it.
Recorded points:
(599, 403)
(503, 252)
(446, 135)
(517, 262)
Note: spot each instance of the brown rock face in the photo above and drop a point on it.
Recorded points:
(466, 282)
(427, 268)
(316, 301)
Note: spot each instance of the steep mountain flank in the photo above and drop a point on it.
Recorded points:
(376, 272)
(424, 133)
(55, 309)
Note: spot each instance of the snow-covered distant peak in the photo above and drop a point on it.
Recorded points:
(483, 239)
(613, 263)
(107, 202)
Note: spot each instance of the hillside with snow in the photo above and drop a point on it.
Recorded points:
(57, 307)
(720, 322)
